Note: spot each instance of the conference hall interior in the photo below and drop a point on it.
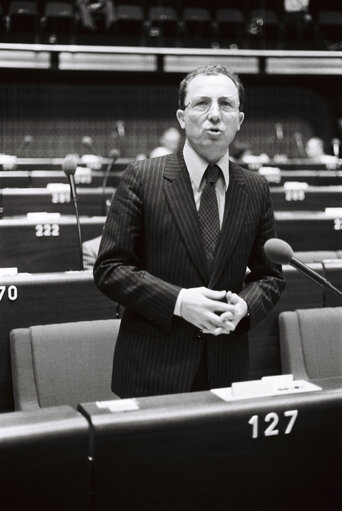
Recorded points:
(87, 88)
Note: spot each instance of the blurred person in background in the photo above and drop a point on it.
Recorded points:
(169, 143)
(314, 150)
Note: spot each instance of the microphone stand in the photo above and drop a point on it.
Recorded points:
(78, 223)
(114, 154)
(316, 277)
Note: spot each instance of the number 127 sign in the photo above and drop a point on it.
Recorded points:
(269, 425)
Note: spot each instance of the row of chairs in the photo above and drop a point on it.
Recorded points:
(70, 363)
(129, 23)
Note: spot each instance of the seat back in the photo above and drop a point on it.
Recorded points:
(64, 363)
(311, 342)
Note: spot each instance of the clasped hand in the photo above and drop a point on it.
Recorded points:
(213, 312)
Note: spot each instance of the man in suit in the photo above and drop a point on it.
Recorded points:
(180, 234)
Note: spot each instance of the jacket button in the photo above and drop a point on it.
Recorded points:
(199, 334)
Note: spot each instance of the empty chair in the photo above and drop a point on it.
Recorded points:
(58, 21)
(264, 28)
(2, 21)
(163, 25)
(311, 342)
(197, 27)
(23, 17)
(64, 363)
(129, 24)
(298, 29)
(230, 24)
(330, 27)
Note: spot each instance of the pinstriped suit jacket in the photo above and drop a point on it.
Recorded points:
(151, 247)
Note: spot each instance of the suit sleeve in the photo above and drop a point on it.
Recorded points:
(119, 270)
(265, 282)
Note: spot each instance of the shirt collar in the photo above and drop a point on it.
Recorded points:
(197, 165)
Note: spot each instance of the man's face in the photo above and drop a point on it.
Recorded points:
(211, 116)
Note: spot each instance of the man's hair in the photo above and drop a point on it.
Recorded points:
(209, 70)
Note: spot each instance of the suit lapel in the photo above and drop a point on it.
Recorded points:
(235, 207)
(179, 195)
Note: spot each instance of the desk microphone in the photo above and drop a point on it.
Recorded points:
(281, 252)
(299, 143)
(336, 147)
(69, 168)
(113, 155)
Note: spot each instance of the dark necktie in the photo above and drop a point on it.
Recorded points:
(208, 213)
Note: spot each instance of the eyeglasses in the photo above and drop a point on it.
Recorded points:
(203, 104)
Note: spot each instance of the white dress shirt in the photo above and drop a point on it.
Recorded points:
(197, 166)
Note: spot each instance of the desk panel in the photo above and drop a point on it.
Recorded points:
(311, 177)
(46, 243)
(40, 299)
(41, 178)
(19, 201)
(44, 464)
(305, 230)
(333, 273)
(57, 163)
(197, 452)
(313, 198)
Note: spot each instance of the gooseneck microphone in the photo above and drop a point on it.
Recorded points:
(300, 145)
(281, 252)
(113, 155)
(336, 147)
(69, 168)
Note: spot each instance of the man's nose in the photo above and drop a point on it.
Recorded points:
(214, 112)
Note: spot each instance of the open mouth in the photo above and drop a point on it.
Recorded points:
(214, 131)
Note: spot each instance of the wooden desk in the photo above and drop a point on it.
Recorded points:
(311, 177)
(305, 230)
(313, 198)
(57, 163)
(41, 178)
(46, 243)
(51, 244)
(39, 299)
(19, 201)
(196, 451)
(44, 463)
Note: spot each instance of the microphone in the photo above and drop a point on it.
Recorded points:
(336, 147)
(113, 155)
(281, 252)
(300, 145)
(69, 167)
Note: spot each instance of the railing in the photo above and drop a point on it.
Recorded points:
(168, 60)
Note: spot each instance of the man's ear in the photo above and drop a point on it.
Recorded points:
(241, 118)
(180, 118)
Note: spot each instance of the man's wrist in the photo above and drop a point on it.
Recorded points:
(178, 304)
